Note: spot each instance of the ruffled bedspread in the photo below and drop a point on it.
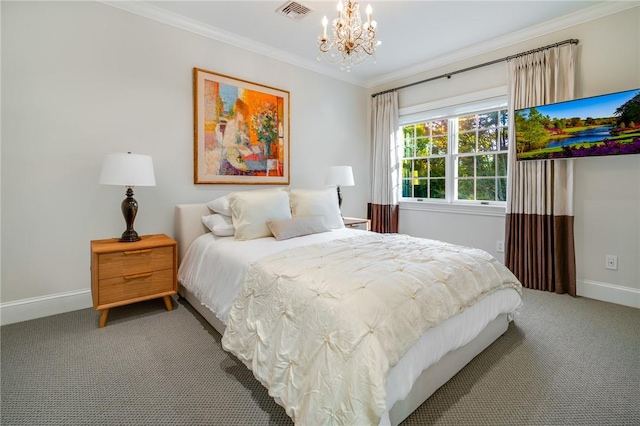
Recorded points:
(321, 326)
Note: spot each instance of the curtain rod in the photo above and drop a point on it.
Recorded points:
(506, 58)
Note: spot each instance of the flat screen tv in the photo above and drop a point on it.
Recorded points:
(596, 126)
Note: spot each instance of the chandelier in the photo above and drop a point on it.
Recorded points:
(352, 42)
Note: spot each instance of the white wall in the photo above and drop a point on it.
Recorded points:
(480, 230)
(607, 189)
(81, 79)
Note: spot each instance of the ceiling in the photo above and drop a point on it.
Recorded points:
(415, 35)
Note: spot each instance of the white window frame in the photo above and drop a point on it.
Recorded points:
(485, 100)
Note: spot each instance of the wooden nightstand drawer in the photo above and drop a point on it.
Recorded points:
(360, 225)
(134, 286)
(130, 272)
(357, 223)
(131, 262)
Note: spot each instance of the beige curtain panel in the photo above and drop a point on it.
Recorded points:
(539, 244)
(383, 208)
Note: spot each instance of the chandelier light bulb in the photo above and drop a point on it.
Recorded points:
(324, 27)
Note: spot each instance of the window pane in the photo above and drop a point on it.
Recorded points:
(406, 168)
(465, 189)
(420, 188)
(408, 148)
(438, 167)
(466, 123)
(439, 127)
(420, 168)
(487, 140)
(406, 188)
(408, 133)
(502, 189)
(488, 119)
(504, 118)
(504, 140)
(440, 145)
(422, 130)
(437, 188)
(486, 189)
(467, 143)
(502, 164)
(422, 147)
(485, 165)
(465, 166)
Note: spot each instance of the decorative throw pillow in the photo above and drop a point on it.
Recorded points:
(220, 205)
(297, 226)
(251, 210)
(220, 225)
(317, 202)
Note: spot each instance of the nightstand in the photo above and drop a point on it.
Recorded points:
(357, 223)
(124, 273)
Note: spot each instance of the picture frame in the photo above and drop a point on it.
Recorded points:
(241, 131)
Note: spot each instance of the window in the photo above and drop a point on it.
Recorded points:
(457, 158)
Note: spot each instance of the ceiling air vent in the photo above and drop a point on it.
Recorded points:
(294, 10)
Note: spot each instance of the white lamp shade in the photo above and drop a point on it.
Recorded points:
(127, 169)
(340, 176)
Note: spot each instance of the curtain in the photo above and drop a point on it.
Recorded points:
(539, 243)
(383, 208)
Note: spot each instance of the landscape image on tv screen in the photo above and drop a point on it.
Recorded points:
(596, 126)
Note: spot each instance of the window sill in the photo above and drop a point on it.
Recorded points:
(497, 210)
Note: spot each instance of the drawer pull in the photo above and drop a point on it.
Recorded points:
(137, 251)
(135, 276)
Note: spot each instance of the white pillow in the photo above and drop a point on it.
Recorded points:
(251, 210)
(317, 202)
(220, 205)
(297, 226)
(220, 225)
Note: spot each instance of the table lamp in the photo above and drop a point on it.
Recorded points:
(340, 176)
(128, 170)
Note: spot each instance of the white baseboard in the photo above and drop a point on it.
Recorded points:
(44, 306)
(609, 293)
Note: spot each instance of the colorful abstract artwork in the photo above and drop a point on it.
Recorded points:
(241, 131)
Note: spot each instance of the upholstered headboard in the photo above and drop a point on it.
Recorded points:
(188, 225)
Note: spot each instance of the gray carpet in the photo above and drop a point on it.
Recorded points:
(563, 361)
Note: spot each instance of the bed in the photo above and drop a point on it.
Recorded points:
(215, 275)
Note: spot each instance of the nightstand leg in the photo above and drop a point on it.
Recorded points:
(167, 303)
(103, 318)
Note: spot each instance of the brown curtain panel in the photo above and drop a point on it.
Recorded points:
(539, 243)
(384, 218)
(383, 208)
(539, 250)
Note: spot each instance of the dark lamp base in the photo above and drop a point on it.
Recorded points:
(129, 208)
(129, 237)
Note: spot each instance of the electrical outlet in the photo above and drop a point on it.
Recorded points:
(500, 246)
(611, 262)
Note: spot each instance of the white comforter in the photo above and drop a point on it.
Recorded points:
(321, 326)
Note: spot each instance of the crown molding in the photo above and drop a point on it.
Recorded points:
(166, 17)
(589, 14)
(169, 18)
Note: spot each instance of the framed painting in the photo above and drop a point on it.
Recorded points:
(241, 131)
